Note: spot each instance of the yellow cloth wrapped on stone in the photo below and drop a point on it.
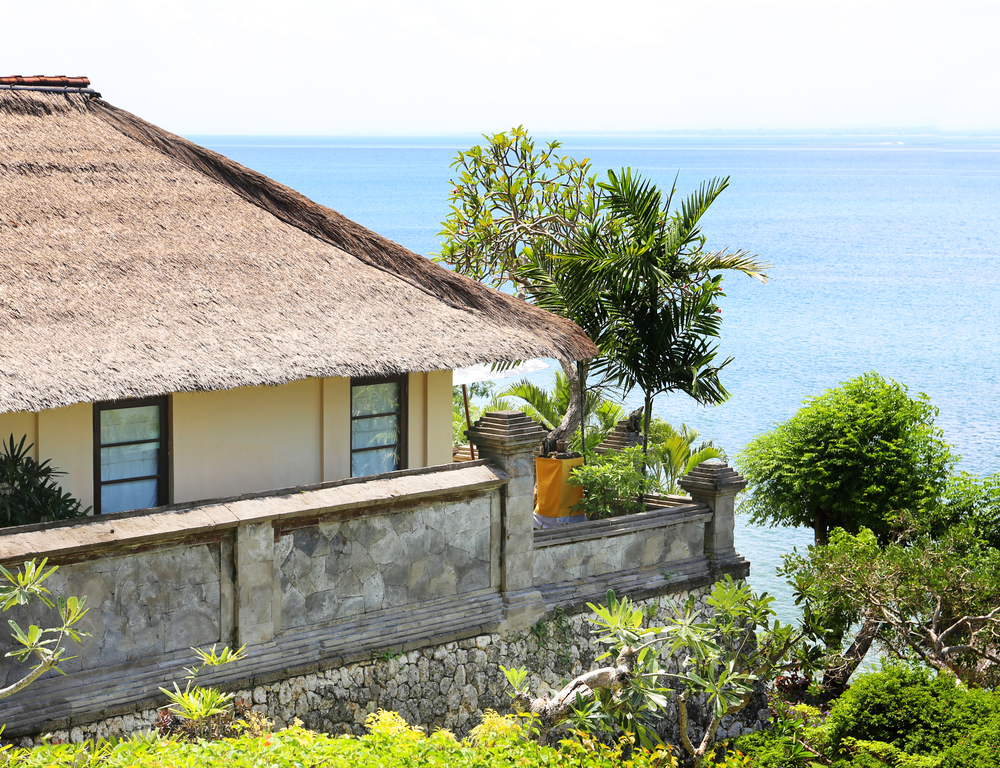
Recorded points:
(554, 496)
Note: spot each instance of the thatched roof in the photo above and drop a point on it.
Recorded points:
(135, 263)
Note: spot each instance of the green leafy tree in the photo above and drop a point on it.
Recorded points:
(612, 257)
(933, 600)
(853, 457)
(35, 643)
(29, 492)
(967, 500)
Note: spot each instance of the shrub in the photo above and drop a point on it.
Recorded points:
(909, 709)
(392, 742)
(613, 485)
(29, 492)
(980, 748)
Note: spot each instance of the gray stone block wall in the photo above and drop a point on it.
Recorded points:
(311, 577)
(143, 605)
(347, 568)
(634, 549)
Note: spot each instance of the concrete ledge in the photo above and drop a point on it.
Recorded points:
(373, 495)
(642, 583)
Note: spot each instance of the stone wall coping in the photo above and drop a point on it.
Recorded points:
(134, 529)
(676, 514)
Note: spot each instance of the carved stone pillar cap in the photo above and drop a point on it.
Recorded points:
(712, 477)
(510, 429)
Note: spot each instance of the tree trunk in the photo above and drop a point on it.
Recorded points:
(571, 421)
(820, 527)
(835, 679)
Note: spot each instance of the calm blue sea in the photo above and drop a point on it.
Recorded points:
(885, 253)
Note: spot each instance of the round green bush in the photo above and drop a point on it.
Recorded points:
(911, 709)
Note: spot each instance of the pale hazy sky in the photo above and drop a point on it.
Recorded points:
(446, 66)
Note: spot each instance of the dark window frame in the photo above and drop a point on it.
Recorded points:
(162, 475)
(404, 399)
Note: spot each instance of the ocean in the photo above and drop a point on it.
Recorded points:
(884, 249)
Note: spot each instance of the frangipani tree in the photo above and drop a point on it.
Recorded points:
(512, 200)
(720, 660)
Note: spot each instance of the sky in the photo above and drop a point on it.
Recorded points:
(398, 67)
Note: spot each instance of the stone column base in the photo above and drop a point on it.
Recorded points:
(522, 609)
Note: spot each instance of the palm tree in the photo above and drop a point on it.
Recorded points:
(640, 285)
(673, 453)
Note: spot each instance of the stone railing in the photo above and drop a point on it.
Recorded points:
(324, 576)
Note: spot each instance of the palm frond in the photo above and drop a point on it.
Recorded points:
(739, 261)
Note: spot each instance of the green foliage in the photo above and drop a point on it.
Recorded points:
(43, 645)
(854, 456)
(638, 282)
(720, 658)
(510, 199)
(600, 414)
(29, 492)
(977, 748)
(204, 712)
(613, 484)
(611, 256)
(968, 500)
(673, 453)
(552, 633)
(766, 749)
(936, 599)
(498, 742)
(910, 709)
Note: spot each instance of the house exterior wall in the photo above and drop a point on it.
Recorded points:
(66, 436)
(20, 424)
(245, 440)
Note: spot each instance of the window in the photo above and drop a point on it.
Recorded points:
(378, 425)
(130, 455)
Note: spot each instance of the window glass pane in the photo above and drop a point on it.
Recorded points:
(374, 462)
(374, 398)
(381, 430)
(129, 461)
(122, 497)
(124, 424)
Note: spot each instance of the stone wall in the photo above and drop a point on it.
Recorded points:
(303, 578)
(447, 685)
(337, 569)
(141, 606)
(318, 578)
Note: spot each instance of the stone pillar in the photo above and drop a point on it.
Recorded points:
(254, 586)
(507, 439)
(716, 484)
